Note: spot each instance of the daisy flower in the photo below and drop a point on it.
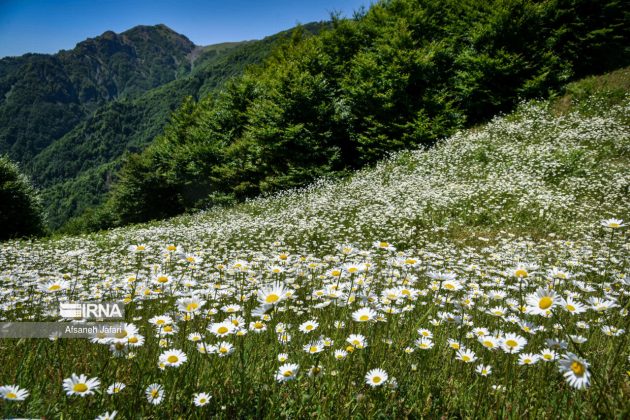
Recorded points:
(541, 302)
(173, 358)
(575, 370)
(376, 377)
(573, 306)
(271, 295)
(154, 393)
(357, 340)
(161, 320)
(314, 347)
(308, 326)
(340, 354)
(115, 388)
(466, 356)
(201, 399)
(424, 343)
(13, 393)
(54, 286)
(222, 329)
(224, 349)
(548, 355)
(489, 342)
(364, 315)
(161, 279)
(513, 343)
(80, 385)
(190, 305)
(137, 248)
(613, 223)
(483, 370)
(283, 357)
(528, 359)
(287, 372)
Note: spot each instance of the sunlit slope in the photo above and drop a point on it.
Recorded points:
(551, 167)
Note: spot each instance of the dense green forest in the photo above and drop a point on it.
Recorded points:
(401, 74)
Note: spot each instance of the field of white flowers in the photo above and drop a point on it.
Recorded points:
(486, 277)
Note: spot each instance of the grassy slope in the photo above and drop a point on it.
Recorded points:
(531, 187)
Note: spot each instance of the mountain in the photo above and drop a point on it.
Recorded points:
(69, 117)
(42, 96)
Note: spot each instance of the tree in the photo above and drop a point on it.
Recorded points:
(20, 209)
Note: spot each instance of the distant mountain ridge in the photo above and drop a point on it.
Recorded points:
(43, 96)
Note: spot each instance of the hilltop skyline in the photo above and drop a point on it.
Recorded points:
(43, 26)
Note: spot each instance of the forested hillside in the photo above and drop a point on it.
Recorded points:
(120, 90)
(403, 74)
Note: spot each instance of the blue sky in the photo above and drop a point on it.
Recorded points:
(47, 26)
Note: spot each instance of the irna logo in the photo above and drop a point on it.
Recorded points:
(92, 310)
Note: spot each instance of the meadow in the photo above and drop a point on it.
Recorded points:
(485, 277)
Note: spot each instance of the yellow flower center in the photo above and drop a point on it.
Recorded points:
(521, 272)
(223, 350)
(172, 359)
(80, 388)
(121, 334)
(258, 325)
(466, 358)
(140, 248)
(133, 340)
(11, 396)
(376, 379)
(202, 400)
(545, 302)
(488, 343)
(613, 225)
(309, 327)
(192, 306)
(272, 298)
(511, 343)
(222, 330)
(364, 318)
(570, 308)
(313, 349)
(154, 393)
(287, 373)
(578, 368)
(54, 287)
(162, 279)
